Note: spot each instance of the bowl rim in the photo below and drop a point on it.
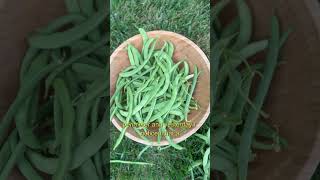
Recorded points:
(207, 112)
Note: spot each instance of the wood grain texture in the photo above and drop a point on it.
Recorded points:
(184, 49)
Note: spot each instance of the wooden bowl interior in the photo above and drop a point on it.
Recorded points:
(184, 50)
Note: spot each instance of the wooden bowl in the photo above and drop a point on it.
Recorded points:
(184, 49)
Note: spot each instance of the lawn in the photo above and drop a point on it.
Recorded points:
(190, 18)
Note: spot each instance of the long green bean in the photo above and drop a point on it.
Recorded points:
(249, 126)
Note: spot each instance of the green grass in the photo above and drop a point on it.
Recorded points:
(190, 18)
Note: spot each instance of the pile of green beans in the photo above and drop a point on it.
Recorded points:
(153, 89)
(60, 111)
(237, 122)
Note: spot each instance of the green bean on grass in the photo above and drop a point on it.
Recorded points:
(130, 162)
(64, 38)
(246, 137)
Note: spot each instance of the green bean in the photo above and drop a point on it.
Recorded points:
(225, 166)
(70, 61)
(80, 45)
(26, 61)
(194, 81)
(147, 98)
(134, 71)
(154, 99)
(144, 35)
(258, 46)
(141, 88)
(171, 49)
(253, 48)
(100, 4)
(246, 138)
(72, 6)
(27, 170)
(240, 102)
(231, 28)
(142, 151)
(21, 117)
(123, 131)
(57, 117)
(24, 166)
(130, 162)
(24, 91)
(169, 104)
(185, 68)
(94, 35)
(263, 130)
(206, 157)
(89, 71)
(231, 91)
(68, 114)
(83, 110)
(91, 144)
(25, 131)
(61, 22)
(220, 134)
(94, 123)
(4, 154)
(82, 152)
(219, 48)
(72, 82)
(245, 24)
(229, 149)
(134, 60)
(136, 55)
(16, 153)
(219, 6)
(146, 51)
(61, 39)
(167, 79)
(87, 7)
(87, 171)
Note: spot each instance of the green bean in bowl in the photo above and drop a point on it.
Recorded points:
(154, 89)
